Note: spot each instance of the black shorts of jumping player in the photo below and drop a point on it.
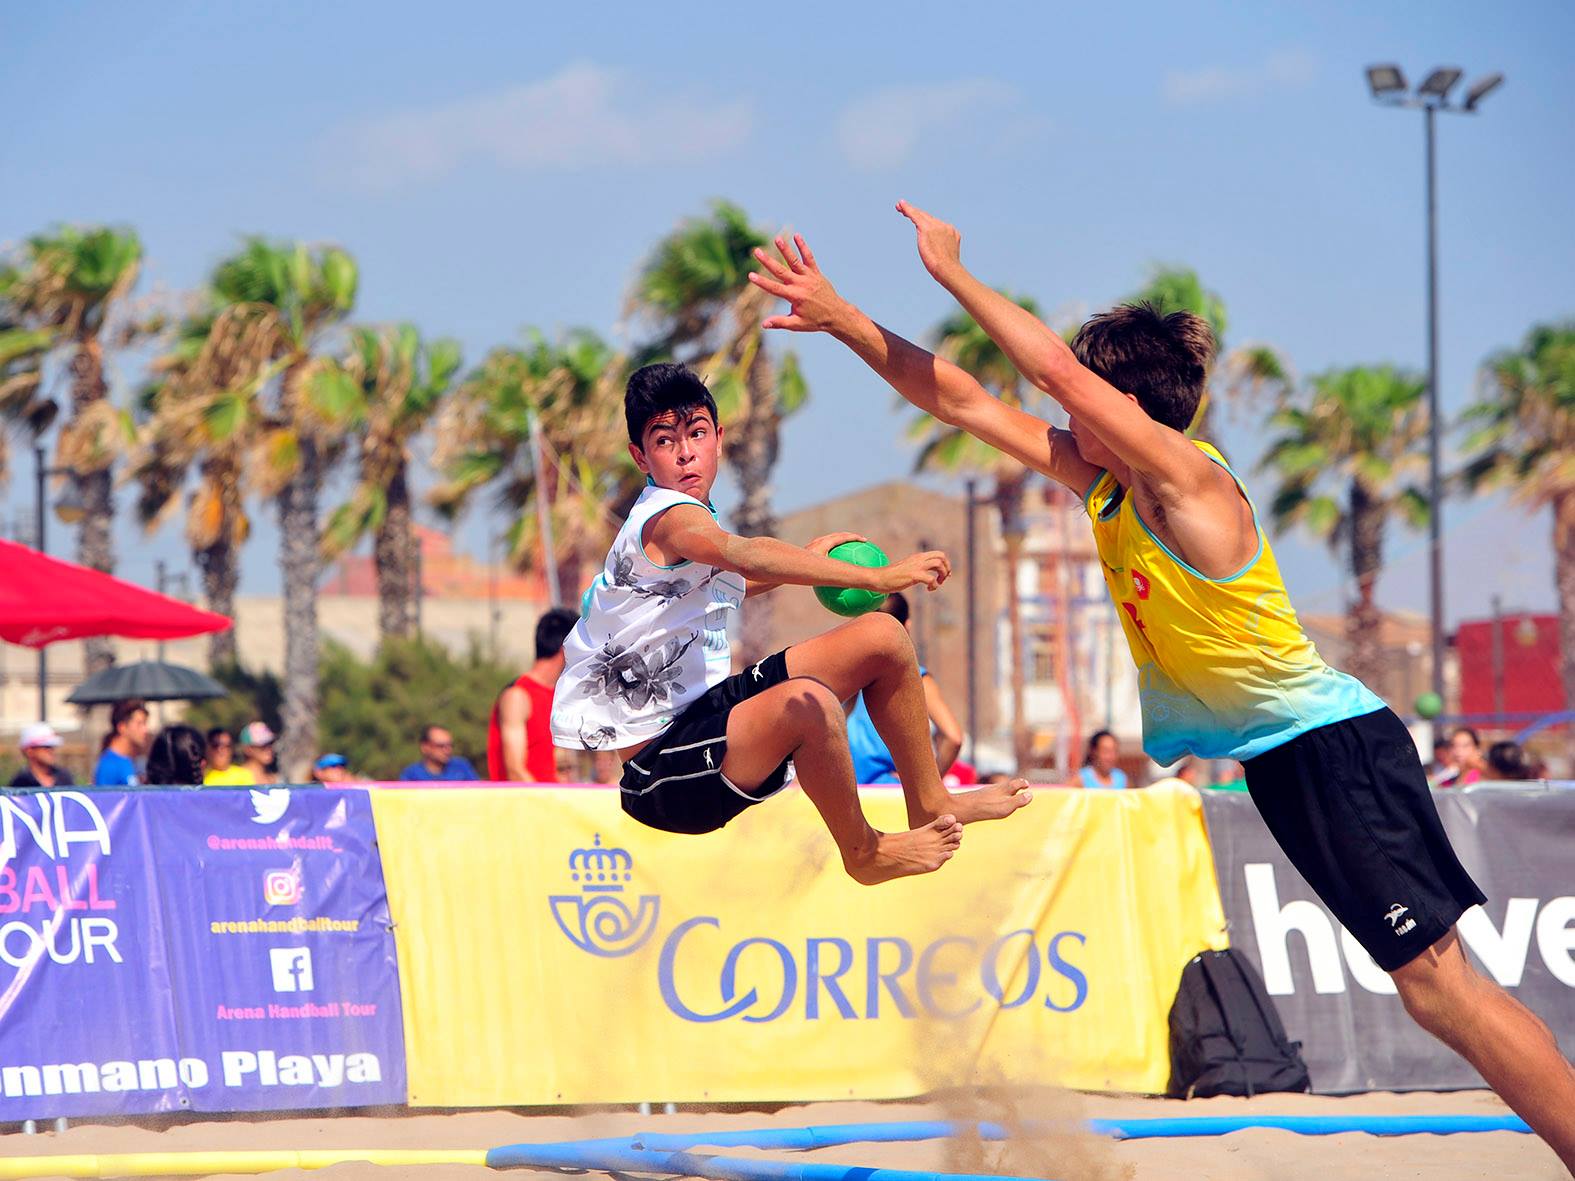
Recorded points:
(1350, 805)
(676, 783)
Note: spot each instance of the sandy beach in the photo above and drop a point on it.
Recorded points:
(1269, 1155)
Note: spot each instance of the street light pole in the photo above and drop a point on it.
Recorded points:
(1388, 86)
(1435, 487)
(42, 471)
(973, 624)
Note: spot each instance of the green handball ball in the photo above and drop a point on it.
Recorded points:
(1429, 704)
(843, 600)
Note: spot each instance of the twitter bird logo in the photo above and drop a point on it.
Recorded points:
(269, 805)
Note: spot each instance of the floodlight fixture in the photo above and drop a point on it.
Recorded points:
(1385, 81)
(1388, 87)
(1481, 88)
(1437, 84)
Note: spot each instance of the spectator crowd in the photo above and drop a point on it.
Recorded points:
(519, 746)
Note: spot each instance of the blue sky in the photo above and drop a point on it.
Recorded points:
(495, 165)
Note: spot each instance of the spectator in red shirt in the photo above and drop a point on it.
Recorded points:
(519, 735)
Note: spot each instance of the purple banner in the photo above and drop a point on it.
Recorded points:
(215, 950)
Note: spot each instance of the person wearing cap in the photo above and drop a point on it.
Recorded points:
(39, 744)
(223, 771)
(331, 768)
(257, 755)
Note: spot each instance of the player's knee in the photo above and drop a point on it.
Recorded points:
(812, 709)
(883, 636)
(1432, 999)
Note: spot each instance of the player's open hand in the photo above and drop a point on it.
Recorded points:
(815, 305)
(940, 245)
(824, 545)
(928, 569)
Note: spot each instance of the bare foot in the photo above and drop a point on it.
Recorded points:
(903, 854)
(994, 802)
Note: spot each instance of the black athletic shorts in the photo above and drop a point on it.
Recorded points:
(1350, 805)
(676, 783)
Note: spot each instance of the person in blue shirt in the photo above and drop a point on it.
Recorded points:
(125, 743)
(438, 761)
(872, 762)
(1099, 763)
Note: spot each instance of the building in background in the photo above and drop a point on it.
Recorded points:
(1509, 669)
(1405, 637)
(1078, 674)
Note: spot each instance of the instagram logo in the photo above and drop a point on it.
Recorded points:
(282, 887)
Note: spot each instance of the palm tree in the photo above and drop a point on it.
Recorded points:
(1522, 436)
(544, 421)
(23, 408)
(694, 287)
(1239, 373)
(396, 384)
(1343, 460)
(69, 283)
(960, 340)
(300, 293)
(202, 409)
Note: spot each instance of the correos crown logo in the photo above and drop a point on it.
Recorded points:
(599, 918)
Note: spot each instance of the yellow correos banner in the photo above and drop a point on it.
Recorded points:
(552, 951)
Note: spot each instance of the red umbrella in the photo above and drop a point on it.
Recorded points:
(44, 600)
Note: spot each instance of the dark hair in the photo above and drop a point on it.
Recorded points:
(1476, 739)
(217, 733)
(123, 712)
(1508, 760)
(426, 731)
(176, 756)
(551, 629)
(1093, 744)
(655, 390)
(1162, 361)
(896, 605)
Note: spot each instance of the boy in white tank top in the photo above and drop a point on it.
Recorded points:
(646, 670)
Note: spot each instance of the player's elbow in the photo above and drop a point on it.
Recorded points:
(951, 408)
(1051, 370)
(967, 410)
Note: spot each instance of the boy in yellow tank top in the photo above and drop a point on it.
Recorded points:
(1225, 670)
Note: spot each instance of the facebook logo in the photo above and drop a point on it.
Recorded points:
(292, 968)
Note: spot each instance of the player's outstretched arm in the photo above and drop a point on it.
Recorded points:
(821, 545)
(688, 531)
(935, 386)
(1041, 356)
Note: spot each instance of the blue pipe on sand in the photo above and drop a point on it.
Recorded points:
(654, 1152)
(1309, 1125)
(620, 1157)
(822, 1136)
(829, 1135)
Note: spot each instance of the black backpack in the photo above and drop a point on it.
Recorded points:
(1225, 1035)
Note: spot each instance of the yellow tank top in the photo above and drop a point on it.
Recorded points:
(1224, 668)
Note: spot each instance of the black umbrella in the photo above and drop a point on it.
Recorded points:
(149, 680)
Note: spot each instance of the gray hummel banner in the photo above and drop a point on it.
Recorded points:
(1518, 843)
